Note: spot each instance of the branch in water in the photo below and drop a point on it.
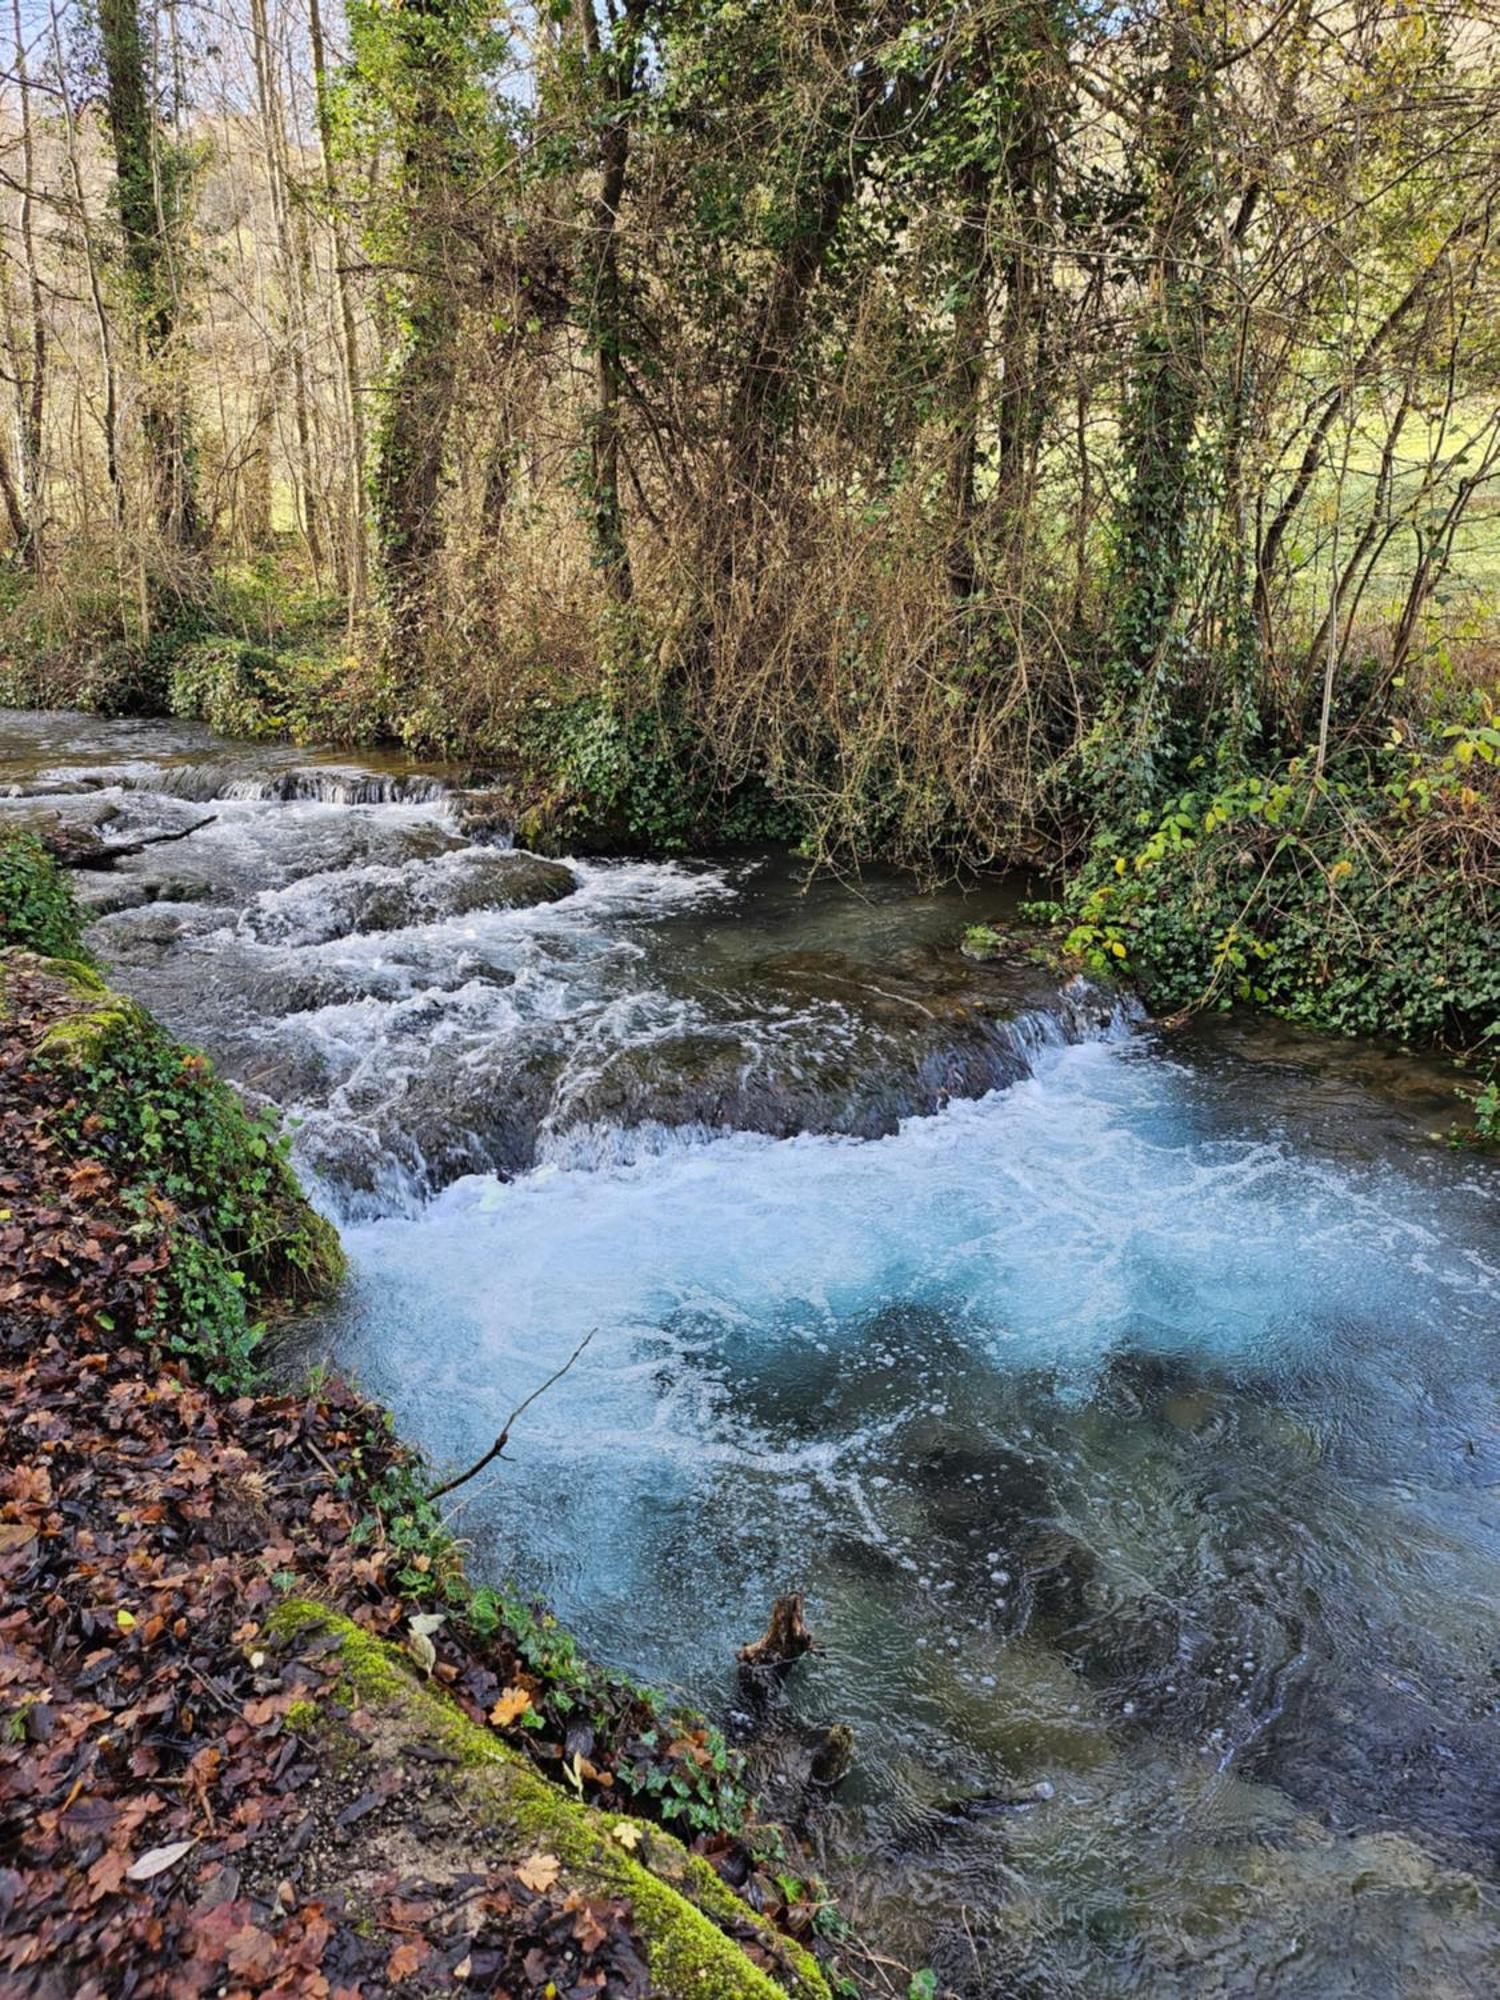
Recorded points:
(73, 854)
(519, 1411)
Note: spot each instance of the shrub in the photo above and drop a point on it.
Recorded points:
(1365, 900)
(185, 1149)
(37, 911)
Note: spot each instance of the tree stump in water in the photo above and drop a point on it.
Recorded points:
(785, 1639)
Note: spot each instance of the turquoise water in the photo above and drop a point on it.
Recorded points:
(1133, 1431)
(1125, 1449)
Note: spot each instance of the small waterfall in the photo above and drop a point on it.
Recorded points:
(204, 782)
(1132, 1438)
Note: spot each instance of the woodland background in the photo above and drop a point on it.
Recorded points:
(1054, 432)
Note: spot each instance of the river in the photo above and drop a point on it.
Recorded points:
(1127, 1405)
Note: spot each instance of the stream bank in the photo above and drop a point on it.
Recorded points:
(211, 1778)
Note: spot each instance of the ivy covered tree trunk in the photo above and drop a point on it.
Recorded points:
(832, 164)
(406, 484)
(602, 293)
(150, 188)
(1164, 392)
(417, 68)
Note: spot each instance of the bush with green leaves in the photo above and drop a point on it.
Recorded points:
(637, 774)
(190, 1156)
(1361, 899)
(37, 911)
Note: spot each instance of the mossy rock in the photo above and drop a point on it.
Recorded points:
(687, 1923)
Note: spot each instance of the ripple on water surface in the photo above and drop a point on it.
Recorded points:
(1125, 1452)
(1133, 1431)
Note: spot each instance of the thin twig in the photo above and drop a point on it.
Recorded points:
(519, 1411)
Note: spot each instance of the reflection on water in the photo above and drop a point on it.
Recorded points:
(1124, 1452)
(1133, 1430)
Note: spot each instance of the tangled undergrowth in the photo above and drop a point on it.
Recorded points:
(1363, 899)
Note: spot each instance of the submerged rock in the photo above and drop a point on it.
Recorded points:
(821, 1042)
(318, 909)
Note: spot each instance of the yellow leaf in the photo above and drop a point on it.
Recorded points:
(628, 1832)
(511, 1705)
(125, 1620)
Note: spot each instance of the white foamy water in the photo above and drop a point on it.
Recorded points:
(1123, 1449)
(1090, 1206)
(1134, 1431)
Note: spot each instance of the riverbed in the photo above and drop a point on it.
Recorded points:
(1127, 1405)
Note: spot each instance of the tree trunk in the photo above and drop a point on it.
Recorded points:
(110, 417)
(32, 392)
(147, 227)
(291, 258)
(1163, 400)
(358, 579)
(602, 289)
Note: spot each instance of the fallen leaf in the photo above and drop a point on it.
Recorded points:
(107, 1874)
(513, 1703)
(539, 1873)
(157, 1860)
(628, 1832)
(252, 1952)
(406, 1959)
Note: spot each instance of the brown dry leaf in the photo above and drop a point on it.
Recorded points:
(539, 1873)
(108, 1873)
(252, 1953)
(406, 1959)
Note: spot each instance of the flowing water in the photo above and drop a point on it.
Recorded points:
(1127, 1407)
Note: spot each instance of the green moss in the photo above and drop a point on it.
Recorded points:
(682, 1910)
(80, 974)
(82, 1039)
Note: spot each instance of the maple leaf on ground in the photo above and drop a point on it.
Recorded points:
(107, 1876)
(512, 1704)
(252, 1953)
(539, 1873)
(407, 1958)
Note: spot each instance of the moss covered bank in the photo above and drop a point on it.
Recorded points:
(258, 1731)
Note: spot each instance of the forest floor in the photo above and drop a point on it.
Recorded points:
(209, 1780)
